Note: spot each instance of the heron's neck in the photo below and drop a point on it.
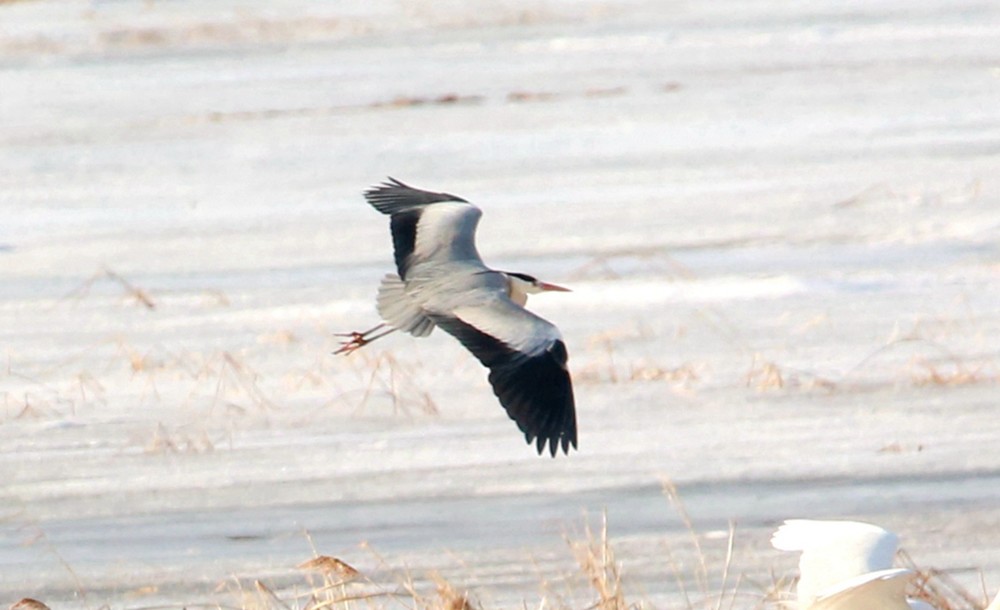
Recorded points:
(517, 290)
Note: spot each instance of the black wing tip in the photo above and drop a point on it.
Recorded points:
(538, 429)
(388, 184)
(383, 190)
(392, 195)
(554, 443)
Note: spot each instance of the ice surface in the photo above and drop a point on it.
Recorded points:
(781, 222)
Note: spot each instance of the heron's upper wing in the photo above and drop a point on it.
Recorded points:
(426, 226)
(527, 361)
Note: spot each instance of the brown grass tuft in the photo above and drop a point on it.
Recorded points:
(448, 597)
(28, 604)
(330, 566)
(597, 562)
(764, 375)
(951, 373)
(939, 589)
(166, 441)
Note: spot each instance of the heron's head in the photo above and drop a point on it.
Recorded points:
(522, 284)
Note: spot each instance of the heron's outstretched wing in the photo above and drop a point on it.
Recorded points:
(426, 226)
(527, 361)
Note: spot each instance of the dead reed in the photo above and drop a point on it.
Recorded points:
(325, 582)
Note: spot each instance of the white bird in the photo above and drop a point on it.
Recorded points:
(995, 604)
(442, 282)
(846, 565)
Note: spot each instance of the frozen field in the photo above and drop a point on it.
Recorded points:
(780, 220)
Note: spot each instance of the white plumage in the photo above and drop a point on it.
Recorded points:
(846, 565)
(995, 604)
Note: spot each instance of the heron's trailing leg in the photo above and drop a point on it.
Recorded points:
(357, 340)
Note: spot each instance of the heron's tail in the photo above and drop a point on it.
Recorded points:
(398, 309)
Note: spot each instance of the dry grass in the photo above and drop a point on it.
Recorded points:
(133, 293)
(597, 563)
(705, 596)
(390, 378)
(952, 372)
(329, 583)
(165, 440)
(607, 367)
(940, 590)
(324, 582)
(28, 604)
(764, 375)
(932, 361)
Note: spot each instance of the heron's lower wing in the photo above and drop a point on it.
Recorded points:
(527, 362)
(399, 310)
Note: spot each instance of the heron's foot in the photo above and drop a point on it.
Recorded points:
(356, 341)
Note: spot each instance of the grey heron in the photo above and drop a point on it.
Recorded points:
(441, 281)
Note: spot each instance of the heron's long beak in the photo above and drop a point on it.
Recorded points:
(545, 286)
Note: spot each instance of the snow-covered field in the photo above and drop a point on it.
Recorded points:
(781, 222)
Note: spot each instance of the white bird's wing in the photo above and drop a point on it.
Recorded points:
(995, 604)
(527, 361)
(834, 552)
(426, 226)
(881, 590)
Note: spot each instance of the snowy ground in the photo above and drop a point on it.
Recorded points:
(781, 222)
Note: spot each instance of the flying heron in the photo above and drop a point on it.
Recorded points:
(442, 282)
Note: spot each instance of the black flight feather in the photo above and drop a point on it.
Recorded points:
(392, 197)
(535, 390)
(404, 204)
